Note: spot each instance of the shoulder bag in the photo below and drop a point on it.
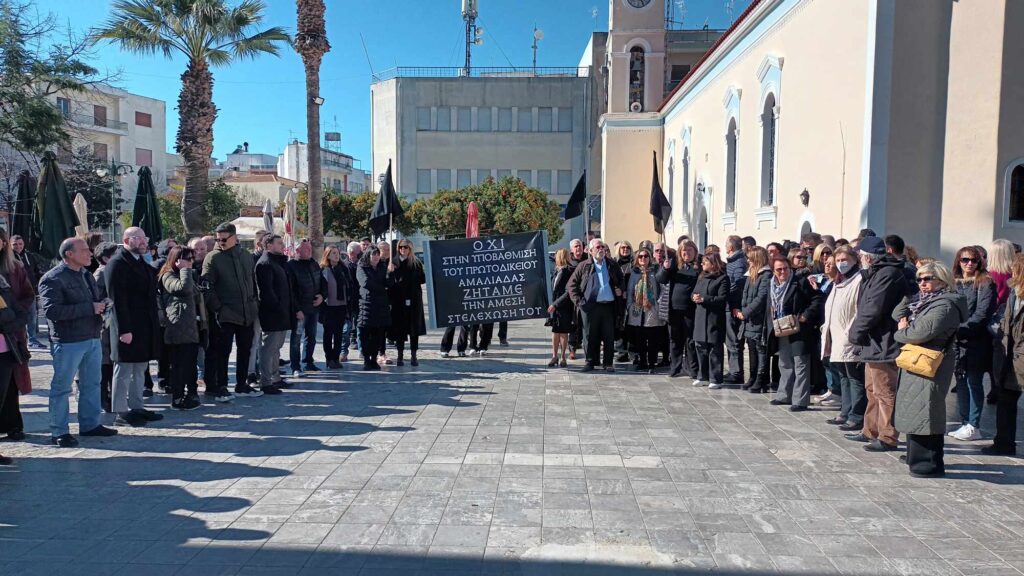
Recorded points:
(786, 326)
(920, 360)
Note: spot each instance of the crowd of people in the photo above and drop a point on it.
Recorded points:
(112, 309)
(865, 326)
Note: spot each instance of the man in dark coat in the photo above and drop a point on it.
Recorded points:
(305, 274)
(884, 286)
(594, 287)
(736, 270)
(278, 309)
(134, 329)
(895, 246)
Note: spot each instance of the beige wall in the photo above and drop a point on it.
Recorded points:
(1011, 114)
(627, 181)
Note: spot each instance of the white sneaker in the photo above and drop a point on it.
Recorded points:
(223, 398)
(714, 386)
(968, 433)
(819, 399)
(955, 433)
(446, 354)
(698, 383)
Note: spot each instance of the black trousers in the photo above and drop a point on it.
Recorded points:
(106, 381)
(924, 454)
(1006, 419)
(709, 360)
(664, 345)
(502, 331)
(480, 336)
(449, 336)
(734, 344)
(373, 340)
(222, 337)
(758, 363)
(601, 330)
(680, 334)
(648, 343)
(182, 369)
(10, 405)
(334, 324)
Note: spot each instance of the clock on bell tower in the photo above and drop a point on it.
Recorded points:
(636, 55)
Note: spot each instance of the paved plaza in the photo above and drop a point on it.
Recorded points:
(497, 466)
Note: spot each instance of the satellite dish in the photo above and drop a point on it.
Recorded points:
(538, 34)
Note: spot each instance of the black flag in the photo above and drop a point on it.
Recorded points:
(387, 207)
(660, 208)
(574, 207)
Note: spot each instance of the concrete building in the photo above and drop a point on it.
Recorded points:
(117, 126)
(823, 115)
(338, 171)
(254, 189)
(443, 130)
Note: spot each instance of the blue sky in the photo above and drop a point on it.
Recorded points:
(263, 101)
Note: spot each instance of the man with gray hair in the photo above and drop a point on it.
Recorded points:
(594, 287)
(872, 331)
(349, 332)
(73, 308)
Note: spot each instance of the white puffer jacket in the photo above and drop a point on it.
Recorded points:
(840, 310)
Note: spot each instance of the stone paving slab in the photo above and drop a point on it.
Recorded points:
(497, 465)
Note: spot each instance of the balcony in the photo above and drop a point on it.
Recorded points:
(92, 121)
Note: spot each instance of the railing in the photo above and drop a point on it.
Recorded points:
(91, 120)
(482, 72)
(695, 36)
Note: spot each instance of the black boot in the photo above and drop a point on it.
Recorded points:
(401, 356)
(413, 359)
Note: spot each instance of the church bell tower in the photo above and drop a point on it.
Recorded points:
(636, 55)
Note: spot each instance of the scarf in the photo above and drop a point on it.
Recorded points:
(922, 300)
(643, 295)
(778, 295)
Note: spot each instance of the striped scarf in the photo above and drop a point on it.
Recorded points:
(923, 298)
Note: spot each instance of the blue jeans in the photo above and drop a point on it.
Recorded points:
(833, 376)
(33, 321)
(346, 335)
(304, 333)
(82, 358)
(970, 395)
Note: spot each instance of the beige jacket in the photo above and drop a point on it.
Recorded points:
(840, 310)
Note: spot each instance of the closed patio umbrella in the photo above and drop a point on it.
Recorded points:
(82, 211)
(289, 220)
(268, 217)
(53, 213)
(146, 214)
(21, 216)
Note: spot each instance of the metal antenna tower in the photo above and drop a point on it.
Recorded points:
(474, 35)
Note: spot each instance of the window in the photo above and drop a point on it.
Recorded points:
(730, 167)
(504, 174)
(465, 118)
(525, 123)
(768, 152)
(463, 179)
(483, 119)
(444, 179)
(679, 71)
(544, 180)
(565, 119)
(64, 105)
(99, 151)
(423, 182)
(686, 182)
(482, 175)
(99, 115)
(1017, 193)
(565, 181)
(544, 119)
(423, 118)
(526, 176)
(444, 118)
(504, 119)
(143, 119)
(143, 157)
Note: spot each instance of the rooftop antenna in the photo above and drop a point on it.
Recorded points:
(474, 35)
(729, 5)
(538, 35)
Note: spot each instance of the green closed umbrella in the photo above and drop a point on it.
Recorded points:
(146, 214)
(53, 211)
(21, 219)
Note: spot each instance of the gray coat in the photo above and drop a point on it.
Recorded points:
(183, 307)
(920, 401)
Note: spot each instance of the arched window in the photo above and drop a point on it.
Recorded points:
(730, 167)
(1016, 193)
(768, 152)
(671, 182)
(637, 73)
(686, 183)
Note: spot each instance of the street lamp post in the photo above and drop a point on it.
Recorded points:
(115, 170)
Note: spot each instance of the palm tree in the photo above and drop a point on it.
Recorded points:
(209, 33)
(311, 43)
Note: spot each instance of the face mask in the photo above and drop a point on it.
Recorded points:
(147, 257)
(844, 266)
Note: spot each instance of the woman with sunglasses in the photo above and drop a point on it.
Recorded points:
(642, 315)
(973, 341)
(680, 274)
(406, 278)
(821, 254)
(931, 320)
(790, 295)
(710, 295)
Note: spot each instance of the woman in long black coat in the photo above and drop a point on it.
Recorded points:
(405, 281)
(791, 294)
(374, 307)
(711, 296)
(752, 313)
(561, 310)
(681, 277)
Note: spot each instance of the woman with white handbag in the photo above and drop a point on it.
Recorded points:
(794, 310)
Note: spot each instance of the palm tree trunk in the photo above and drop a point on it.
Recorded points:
(311, 43)
(197, 114)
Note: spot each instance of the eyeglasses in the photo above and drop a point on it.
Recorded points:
(403, 247)
(799, 257)
(968, 260)
(923, 279)
(643, 257)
